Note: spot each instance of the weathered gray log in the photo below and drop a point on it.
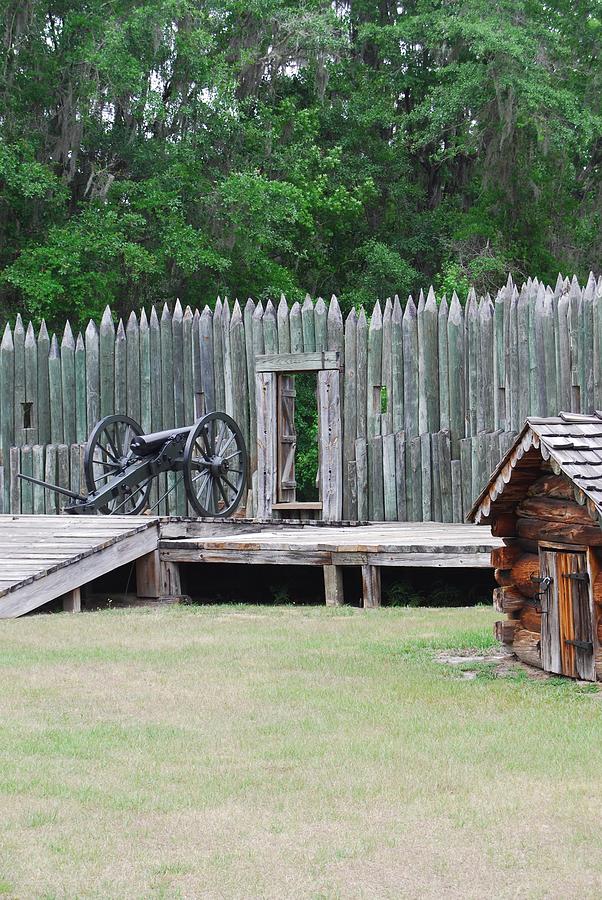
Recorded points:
(81, 418)
(443, 365)
(472, 357)
(120, 404)
(219, 393)
(400, 476)
(38, 500)
(145, 375)
(375, 350)
(362, 375)
(206, 361)
(445, 477)
(43, 398)
(415, 479)
(132, 334)
(31, 384)
(455, 351)
(68, 383)
(350, 409)
(107, 365)
(307, 317)
(389, 478)
(425, 453)
(320, 324)
(19, 379)
(7, 400)
(410, 369)
(266, 443)
(456, 482)
(428, 366)
(56, 392)
(397, 365)
(386, 411)
(92, 374)
(330, 445)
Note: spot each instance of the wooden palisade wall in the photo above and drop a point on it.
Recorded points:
(432, 393)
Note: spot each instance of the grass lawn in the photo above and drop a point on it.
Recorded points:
(288, 752)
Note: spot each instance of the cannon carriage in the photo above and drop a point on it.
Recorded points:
(121, 463)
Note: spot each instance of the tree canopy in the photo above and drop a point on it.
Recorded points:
(159, 148)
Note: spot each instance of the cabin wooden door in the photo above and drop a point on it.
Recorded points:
(567, 637)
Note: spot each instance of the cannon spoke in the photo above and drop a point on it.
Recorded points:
(213, 486)
(106, 457)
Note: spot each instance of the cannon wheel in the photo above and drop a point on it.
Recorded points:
(107, 454)
(215, 465)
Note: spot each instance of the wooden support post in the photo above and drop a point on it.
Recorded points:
(72, 601)
(156, 579)
(333, 585)
(170, 580)
(371, 586)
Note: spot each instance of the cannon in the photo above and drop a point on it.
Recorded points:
(120, 463)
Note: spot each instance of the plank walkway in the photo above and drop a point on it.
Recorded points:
(45, 557)
(379, 544)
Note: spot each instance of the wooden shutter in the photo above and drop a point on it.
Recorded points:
(287, 439)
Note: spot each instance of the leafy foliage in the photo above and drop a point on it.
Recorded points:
(153, 148)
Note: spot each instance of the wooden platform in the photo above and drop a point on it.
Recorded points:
(45, 557)
(371, 546)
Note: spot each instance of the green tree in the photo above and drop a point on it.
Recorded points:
(159, 148)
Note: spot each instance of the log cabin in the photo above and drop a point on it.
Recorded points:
(545, 501)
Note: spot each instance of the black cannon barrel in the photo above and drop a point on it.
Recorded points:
(147, 444)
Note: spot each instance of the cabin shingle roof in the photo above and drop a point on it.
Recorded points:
(573, 443)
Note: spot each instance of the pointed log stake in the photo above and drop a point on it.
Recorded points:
(397, 365)
(410, 370)
(31, 383)
(43, 414)
(349, 404)
(132, 334)
(145, 375)
(375, 351)
(307, 317)
(19, 389)
(68, 383)
(455, 352)
(7, 399)
(361, 378)
(107, 364)
(56, 392)
(206, 362)
(282, 326)
(92, 341)
(120, 370)
(81, 423)
(320, 324)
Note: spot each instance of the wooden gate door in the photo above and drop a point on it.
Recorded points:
(567, 638)
(287, 439)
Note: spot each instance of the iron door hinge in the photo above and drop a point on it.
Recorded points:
(577, 576)
(581, 645)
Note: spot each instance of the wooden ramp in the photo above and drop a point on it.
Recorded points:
(45, 557)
